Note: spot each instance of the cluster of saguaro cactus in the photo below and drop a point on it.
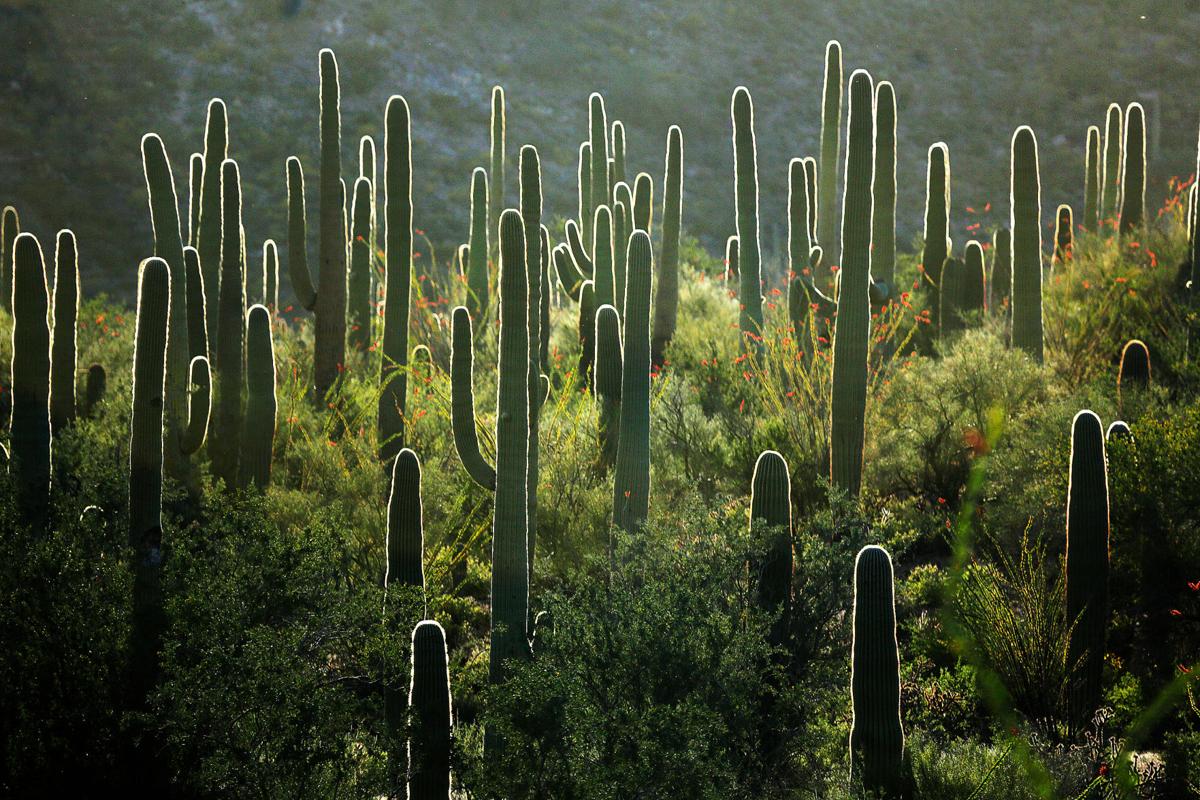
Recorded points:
(1087, 565)
(1026, 227)
(745, 163)
(631, 474)
(852, 328)
(876, 733)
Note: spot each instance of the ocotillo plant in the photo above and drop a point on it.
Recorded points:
(1092, 177)
(429, 697)
(208, 239)
(462, 401)
(607, 338)
(618, 151)
(974, 290)
(643, 203)
(1133, 173)
(530, 168)
(631, 475)
(95, 387)
(358, 284)
(10, 226)
(258, 429)
(852, 329)
(478, 247)
(398, 265)
(230, 333)
(771, 504)
(1110, 188)
(1001, 276)
(29, 439)
(883, 217)
(497, 162)
(1087, 565)
(937, 214)
(1025, 209)
(510, 567)
(66, 310)
(598, 138)
(1134, 372)
(831, 143)
(1064, 222)
(745, 185)
(666, 293)
(876, 733)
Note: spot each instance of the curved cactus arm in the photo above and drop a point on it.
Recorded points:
(578, 250)
(302, 285)
(569, 277)
(197, 322)
(462, 401)
(199, 406)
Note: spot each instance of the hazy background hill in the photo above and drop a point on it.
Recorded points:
(82, 80)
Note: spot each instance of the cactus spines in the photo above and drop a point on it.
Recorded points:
(731, 258)
(974, 290)
(853, 326)
(770, 502)
(643, 203)
(1092, 178)
(29, 438)
(1133, 173)
(1134, 371)
(195, 187)
(398, 263)
(199, 404)
(631, 475)
(937, 214)
(831, 143)
(608, 381)
(745, 184)
(1025, 206)
(666, 293)
(197, 322)
(208, 240)
(10, 226)
(94, 389)
(587, 333)
(462, 401)
(876, 733)
(405, 542)
(1063, 234)
(510, 562)
(429, 699)
(1087, 564)
(586, 211)
(598, 136)
(1001, 278)
(618, 152)
(883, 219)
(66, 309)
(497, 163)
(230, 332)
(258, 429)
(1110, 188)
(358, 284)
(478, 247)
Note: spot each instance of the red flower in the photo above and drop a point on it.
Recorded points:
(1175, 612)
(1194, 586)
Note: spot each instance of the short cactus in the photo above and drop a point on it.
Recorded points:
(974, 289)
(429, 699)
(66, 310)
(731, 258)
(771, 504)
(405, 541)
(951, 286)
(258, 429)
(1000, 283)
(937, 215)
(618, 151)
(1026, 227)
(1064, 223)
(1134, 372)
(631, 475)
(478, 247)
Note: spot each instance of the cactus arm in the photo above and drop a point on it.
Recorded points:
(302, 284)
(569, 277)
(598, 129)
(479, 246)
(1091, 181)
(208, 237)
(199, 406)
(643, 202)
(578, 250)
(666, 297)
(750, 317)
(831, 143)
(358, 282)
(230, 334)
(497, 151)
(883, 218)
(1110, 187)
(462, 401)
(799, 246)
(608, 361)
(66, 311)
(587, 333)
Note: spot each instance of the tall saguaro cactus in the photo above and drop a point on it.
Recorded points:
(329, 305)
(631, 476)
(745, 184)
(398, 265)
(876, 733)
(66, 310)
(1087, 564)
(478, 247)
(10, 226)
(1025, 206)
(666, 295)
(771, 503)
(853, 325)
(883, 214)
(230, 332)
(1110, 192)
(1133, 174)
(530, 168)
(937, 213)
(429, 698)
(30, 431)
(831, 144)
(1092, 178)
(258, 429)
(358, 284)
(208, 239)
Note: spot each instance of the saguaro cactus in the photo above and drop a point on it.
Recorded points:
(208, 240)
(195, 187)
(197, 323)
(1001, 280)
(603, 271)
(951, 285)
(29, 438)
(810, 178)
(1087, 564)
(799, 246)
(731, 258)
(618, 151)
(608, 370)
(631, 476)
(974, 291)
(1133, 173)
(1110, 191)
(398, 264)
(883, 218)
(270, 269)
(771, 503)
(230, 333)
(258, 430)
(10, 226)
(496, 149)
(643, 203)
(358, 285)
(1092, 178)
(530, 169)
(462, 401)
(1134, 372)
(831, 143)
(1063, 234)
(937, 213)
(429, 697)
(876, 734)
(853, 326)
(666, 294)
(586, 212)
(405, 524)
(66, 310)
(598, 132)
(199, 404)
(329, 305)
(745, 184)
(1026, 213)
(478, 247)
